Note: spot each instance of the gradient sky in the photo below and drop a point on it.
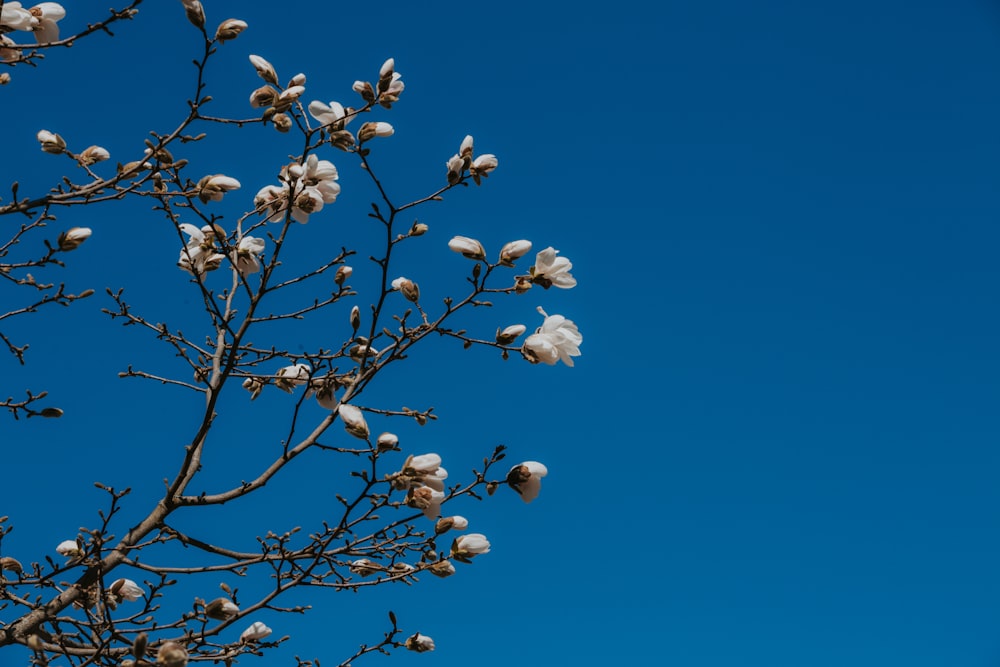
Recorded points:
(780, 446)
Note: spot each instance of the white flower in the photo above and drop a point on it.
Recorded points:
(48, 15)
(526, 479)
(550, 270)
(466, 546)
(211, 188)
(265, 70)
(273, 200)
(425, 464)
(514, 250)
(465, 150)
(15, 17)
(126, 589)
(199, 255)
(73, 237)
(456, 167)
(246, 257)
(426, 499)
(369, 131)
(93, 155)
(229, 29)
(332, 115)
(557, 338)
(419, 643)
(482, 166)
(451, 522)
(51, 142)
(292, 376)
(255, 632)
(69, 549)
(467, 247)
(510, 334)
(354, 420)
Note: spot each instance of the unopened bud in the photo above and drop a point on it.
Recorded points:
(221, 609)
(522, 284)
(264, 96)
(11, 565)
(418, 229)
(254, 386)
(491, 488)
(442, 568)
(195, 13)
(354, 421)
(355, 318)
(470, 248)
(297, 80)
(139, 645)
(73, 238)
(387, 442)
(365, 90)
(229, 29)
(510, 334)
(282, 122)
(342, 274)
(93, 155)
(371, 130)
(51, 413)
(265, 70)
(4, 78)
(514, 250)
(172, 654)
(407, 288)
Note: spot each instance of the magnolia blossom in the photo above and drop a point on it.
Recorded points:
(467, 247)
(407, 288)
(354, 420)
(332, 115)
(199, 255)
(371, 130)
(557, 339)
(419, 643)
(426, 499)
(442, 568)
(292, 376)
(195, 12)
(73, 237)
(69, 548)
(265, 70)
(16, 17)
(246, 257)
(211, 188)
(48, 15)
(447, 523)
(126, 589)
(550, 270)
(255, 632)
(172, 654)
(482, 166)
(51, 142)
(510, 334)
(363, 567)
(456, 165)
(514, 250)
(221, 609)
(469, 545)
(390, 83)
(425, 464)
(387, 441)
(315, 185)
(526, 479)
(229, 29)
(93, 155)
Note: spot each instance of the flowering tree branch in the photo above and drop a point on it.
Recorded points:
(391, 525)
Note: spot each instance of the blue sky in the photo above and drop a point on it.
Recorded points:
(779, 447)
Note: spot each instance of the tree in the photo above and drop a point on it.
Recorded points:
(133, 586)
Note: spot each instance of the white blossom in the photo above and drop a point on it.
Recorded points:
(557, 339)
(255, 632)
(126, 589)
(550, 270)
(482, 166)
(425, 464)
(514, 250)
(199, 255)
(221, 609)
(48, 15)
(16, 17)
(73, 238)
(456, 167)
(292, 376)
(426, 499)
(526, 479)
(354, 420)
(69, 549)
(212, 188)
(93, 155)
(467, 247)
(509, 334)
(51, 142)
(246, 257)
(469, 545)
(332, 115)
(265, 70)
(419, 643)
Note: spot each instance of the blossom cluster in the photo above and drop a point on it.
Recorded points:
(304, 188)
(201, 253)
(42, 20)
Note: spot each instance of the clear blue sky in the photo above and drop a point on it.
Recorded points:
(780, 446)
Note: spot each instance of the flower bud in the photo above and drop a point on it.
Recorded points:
(221, 609)
(11, 565)
(482, 166)
(456, 167)
(510, 334)
(195, 13)
(126, 589)
(467, 247)
(4, 78)
(255, 632)
(365, 90)
(407, 288)
(419, 643)
(51, 142)
(172, 654)
(363, 567)
(254, 386)
(418, 229)
(354, 421)
(265, 70)
(297, 80)
(264, 96)
(465, 151)
(69, 549)
(442, 568)
(387, 442)
(93, 155)
(522, 284)
(514, 250)
(355, 318)
(282, 122)
(229, 29)
(73, 238)
(342, 274)
(372, 130)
